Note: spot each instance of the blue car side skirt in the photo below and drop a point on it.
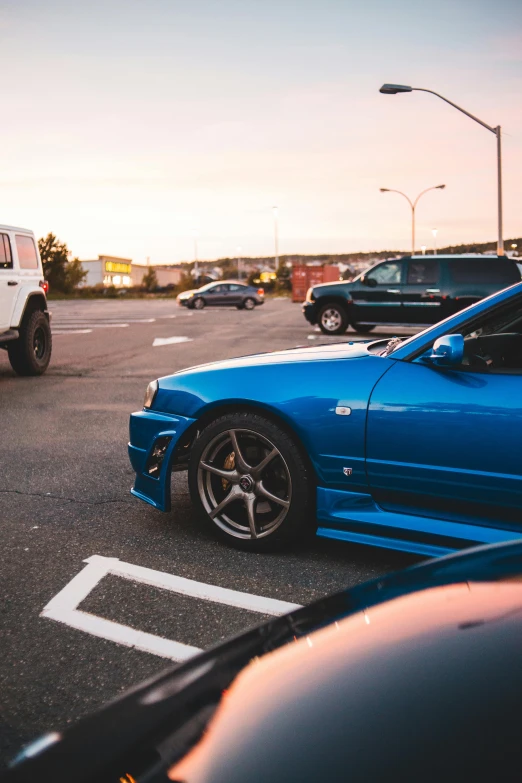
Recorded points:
(356, 517)
(414, 547)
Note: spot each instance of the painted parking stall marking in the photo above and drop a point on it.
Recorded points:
(81, 317)
(63, 608)
(158, 341)
(71, 331)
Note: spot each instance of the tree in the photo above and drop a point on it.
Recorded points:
(284, 278)
(150, 279)
(62, 275)
(186, 283)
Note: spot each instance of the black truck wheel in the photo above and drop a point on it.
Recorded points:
(332, 319)
(31, 353)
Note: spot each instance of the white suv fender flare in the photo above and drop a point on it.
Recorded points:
(24, 296)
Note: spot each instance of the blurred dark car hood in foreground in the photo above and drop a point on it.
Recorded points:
(415, 676)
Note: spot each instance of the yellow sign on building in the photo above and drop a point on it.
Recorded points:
(118, 267)
(266, 277)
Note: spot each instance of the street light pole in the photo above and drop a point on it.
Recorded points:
(412, 204)
(500, 248)
(276, 240)
(434, 232)
(393, 89)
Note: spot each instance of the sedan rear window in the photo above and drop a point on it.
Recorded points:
(483, 270)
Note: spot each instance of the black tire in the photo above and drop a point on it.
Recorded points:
(249, 303)
(31, 353)
(363, 328)
(198, 304)
(332, 318)
(285, 476)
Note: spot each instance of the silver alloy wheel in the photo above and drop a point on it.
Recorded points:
(331, 319)
(249, 304)
(199, 304)
(246, 499)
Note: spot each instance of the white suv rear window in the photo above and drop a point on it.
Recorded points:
(26, 252)
(6, 261)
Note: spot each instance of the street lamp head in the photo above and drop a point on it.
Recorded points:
(393, 89)
(440, 187)
(384, 190)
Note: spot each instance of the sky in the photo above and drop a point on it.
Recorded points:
(128, 127)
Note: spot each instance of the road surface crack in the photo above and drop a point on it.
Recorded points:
(50, 496)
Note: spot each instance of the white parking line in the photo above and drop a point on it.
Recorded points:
(77, 321)
(63, 607)
(170, 341)
(69, 327)
(108, 326)
(56, 332)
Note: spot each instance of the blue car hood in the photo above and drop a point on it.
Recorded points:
(303, 353)
(267, 379)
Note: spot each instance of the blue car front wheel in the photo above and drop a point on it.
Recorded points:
(250, 484)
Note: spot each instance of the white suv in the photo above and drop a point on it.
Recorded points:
(25, 330)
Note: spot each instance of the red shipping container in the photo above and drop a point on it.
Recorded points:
(303, 277)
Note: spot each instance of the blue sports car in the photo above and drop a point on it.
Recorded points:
(414, 445)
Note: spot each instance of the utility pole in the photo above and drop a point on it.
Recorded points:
(196, 270)
(276, 240)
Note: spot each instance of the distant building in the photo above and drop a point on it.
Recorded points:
(107, 271)
(166, 275)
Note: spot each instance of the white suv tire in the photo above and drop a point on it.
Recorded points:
(31, 353)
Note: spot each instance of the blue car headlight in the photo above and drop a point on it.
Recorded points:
(152, 390)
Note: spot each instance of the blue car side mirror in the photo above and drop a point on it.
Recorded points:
(447, 350)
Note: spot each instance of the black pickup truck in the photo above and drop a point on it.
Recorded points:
(408, 291)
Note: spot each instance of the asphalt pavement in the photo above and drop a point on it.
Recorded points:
(64, 497)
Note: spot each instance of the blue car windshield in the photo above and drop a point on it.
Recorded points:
(503, 320)
(506, 320)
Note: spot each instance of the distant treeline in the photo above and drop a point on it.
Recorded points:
(346, 258)
(483, 247)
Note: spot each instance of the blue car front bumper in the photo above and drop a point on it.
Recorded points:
(146, 427)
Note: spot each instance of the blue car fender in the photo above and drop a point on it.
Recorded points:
(323, 403)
